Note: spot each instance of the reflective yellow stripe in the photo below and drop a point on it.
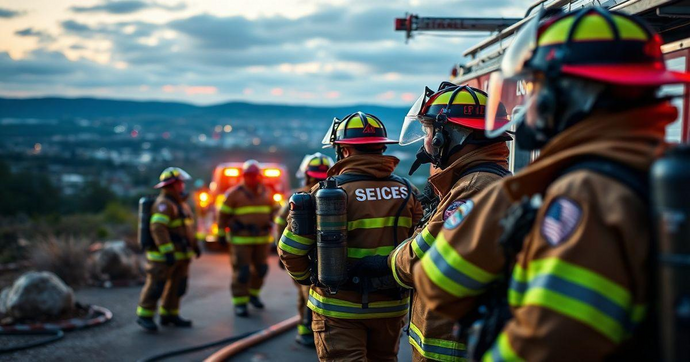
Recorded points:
(221, 232)
(452, 273)
(337, 308)
(578, 293)
(280, 221)
(303, 330)
(225, 209)
(143, 312)
(295, 244)
(254, 292)
(301, 275)
(358, 253)
(436, 349)
(379, 222)
(162, 311)
(200, 235)
(160, 218)
(188, 221)
(154, 256)
(244, 210)
(175, 223)
(166, 248)
(394, 269)
(179, 255)
(242, 240)
(240, 300)
(501, 351)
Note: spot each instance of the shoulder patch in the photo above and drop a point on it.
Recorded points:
(451, 208)
(162, 206)
(560, 220)
(459, 214)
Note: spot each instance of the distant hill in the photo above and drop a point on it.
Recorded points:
(57, 108)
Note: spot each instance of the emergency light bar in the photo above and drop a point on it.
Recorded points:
(272, 172)
(231, 172)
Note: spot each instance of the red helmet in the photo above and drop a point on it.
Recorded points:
(358, 128)
(251, 167)
(315, 166)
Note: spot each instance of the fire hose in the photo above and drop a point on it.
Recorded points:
(54, 331)
(236, 344)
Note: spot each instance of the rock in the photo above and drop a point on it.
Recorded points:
(38, 295)
(115, 261)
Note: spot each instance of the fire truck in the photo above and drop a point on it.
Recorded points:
(225, 176)
(671, 18)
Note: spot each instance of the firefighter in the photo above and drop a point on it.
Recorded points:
(566, 242)
(451, 124)
(359, 323)
(247, 213)
(314, 168)
(167, 268)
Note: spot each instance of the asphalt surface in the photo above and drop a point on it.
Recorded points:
(207, 303)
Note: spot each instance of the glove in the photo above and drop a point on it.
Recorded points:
(371, 266)
(197, 251)
(169, 259)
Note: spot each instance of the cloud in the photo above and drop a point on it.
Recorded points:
(9, 13)
(126, 7)
(341, 54)
(42, 36)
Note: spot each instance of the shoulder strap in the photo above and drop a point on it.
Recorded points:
(637, 181)
(489, 167)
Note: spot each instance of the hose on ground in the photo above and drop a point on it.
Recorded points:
(54, 335)
(235, 343)
(177, 352)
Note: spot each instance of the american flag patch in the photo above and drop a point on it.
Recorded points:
(560, 220)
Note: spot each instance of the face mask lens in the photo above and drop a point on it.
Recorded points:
(412, 128)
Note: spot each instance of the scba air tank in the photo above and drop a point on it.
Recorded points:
(144, 231)
(670, 179)
(331, 235)
(302, 214)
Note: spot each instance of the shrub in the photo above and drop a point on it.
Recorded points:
(64, 256)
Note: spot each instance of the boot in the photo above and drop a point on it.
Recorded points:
(306, 340)
(241, 310)
(175, 321)
(256, 302)
(148, 324)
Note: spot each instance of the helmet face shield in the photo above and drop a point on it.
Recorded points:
(329, 137)
(504, 93)
(510, 85)
(412, 129)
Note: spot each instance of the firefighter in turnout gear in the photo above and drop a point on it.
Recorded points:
(566, 242)
(359, 322)
(467, 163)
(247, 213)
(314, 168)
(167, 268)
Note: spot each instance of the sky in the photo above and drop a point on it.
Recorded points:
(313, 52)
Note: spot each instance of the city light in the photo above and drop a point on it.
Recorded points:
(204, 199)
(277, 197)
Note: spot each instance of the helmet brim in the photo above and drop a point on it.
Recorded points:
(317, 174)
(630, 75)
(474, 123)
(366, 140)
(165, 183)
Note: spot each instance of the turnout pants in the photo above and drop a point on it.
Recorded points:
(249, 267)
(165, 283)
(357, 339)
(304, 326)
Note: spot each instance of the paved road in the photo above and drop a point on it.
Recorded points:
(207, 304)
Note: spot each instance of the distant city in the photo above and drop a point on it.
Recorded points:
(123, 145)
